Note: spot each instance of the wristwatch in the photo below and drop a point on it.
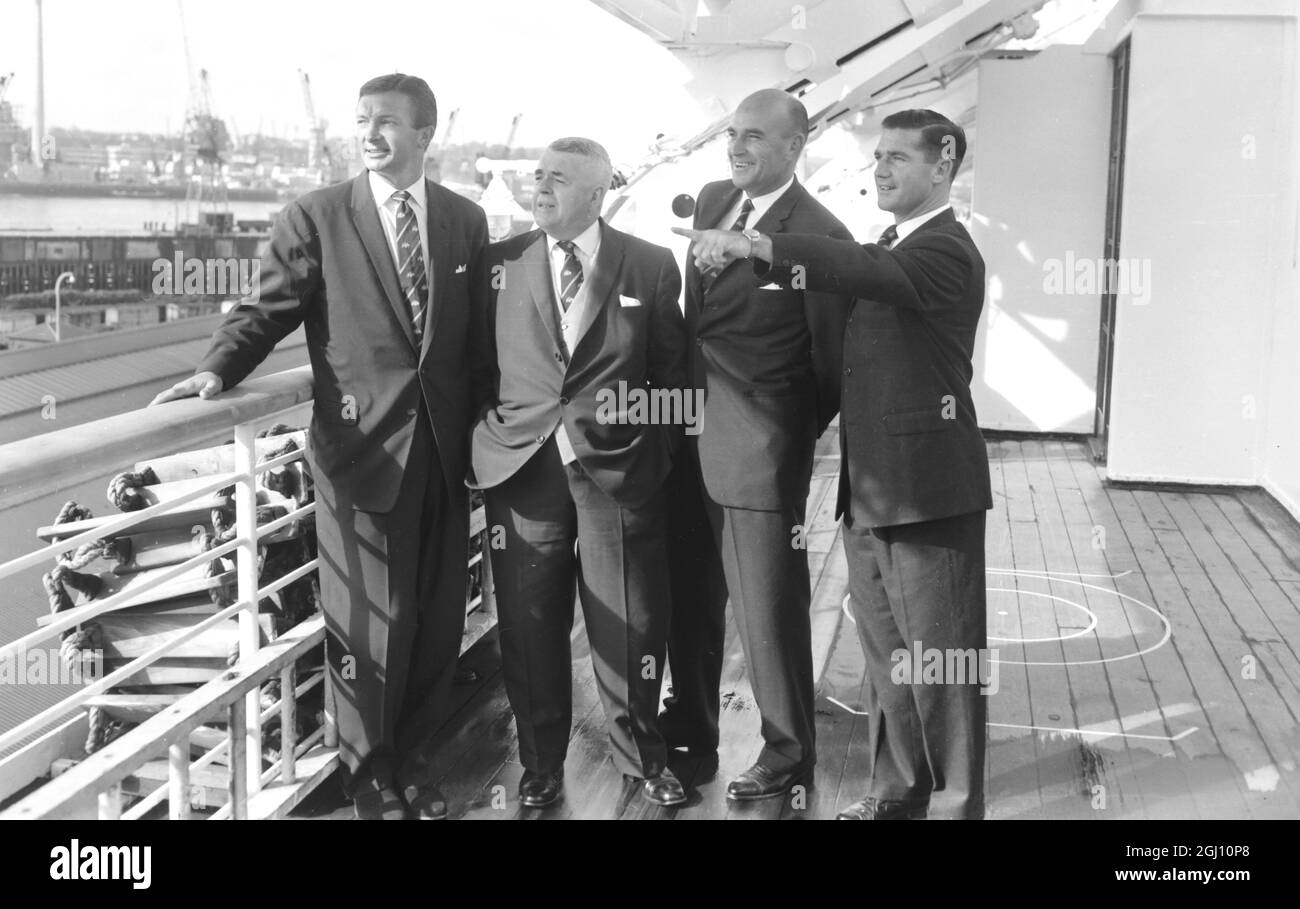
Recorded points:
(752, 236)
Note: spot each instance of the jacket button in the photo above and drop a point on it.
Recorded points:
(541, 439)
(412, 412)
(848, 370)
(564, 400)
(699, 342)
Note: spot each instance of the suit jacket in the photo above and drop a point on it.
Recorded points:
(911, 445)
(328, 267)
(631, 333)
(767, 358)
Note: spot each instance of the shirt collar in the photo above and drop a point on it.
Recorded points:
(764, 202)
(906, 227)
(587, 242)
(383, 191)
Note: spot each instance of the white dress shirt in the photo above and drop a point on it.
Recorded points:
(585, 247)
(383, 192)
(761, 205)
(906, 227)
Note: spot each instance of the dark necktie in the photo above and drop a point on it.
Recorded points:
(570, 275)
(888, 237)
(745, 208)
(411, 271)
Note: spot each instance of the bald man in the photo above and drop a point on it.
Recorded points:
(768, 361)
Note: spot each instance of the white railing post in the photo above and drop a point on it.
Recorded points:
(110, 803)
(246, 574)
(178, 778)
(288, 723)
(239, 781)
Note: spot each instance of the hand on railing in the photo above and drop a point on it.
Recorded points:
(204, 384)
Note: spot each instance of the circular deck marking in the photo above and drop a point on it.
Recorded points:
(1092, 617)
(1093, 621)
(1052, 576)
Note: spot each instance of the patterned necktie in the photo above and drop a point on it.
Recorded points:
(888, 237)
(415, 281)
(570, 275)
(745, 208)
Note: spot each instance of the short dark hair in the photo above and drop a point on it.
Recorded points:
(415, 88)
(940, 137)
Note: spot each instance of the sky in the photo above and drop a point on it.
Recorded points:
(571, 68)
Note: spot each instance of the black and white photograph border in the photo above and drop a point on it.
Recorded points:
(1019, 268)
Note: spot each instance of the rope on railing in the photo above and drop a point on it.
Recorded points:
(125, 491)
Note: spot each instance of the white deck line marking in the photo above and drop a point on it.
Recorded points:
(1100, 733)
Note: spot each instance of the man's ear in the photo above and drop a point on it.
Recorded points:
(426, 136)
(797, 143)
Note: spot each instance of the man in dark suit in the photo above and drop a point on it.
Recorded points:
(914, 478)
(767, 360)
(387, 274)
(587, 331)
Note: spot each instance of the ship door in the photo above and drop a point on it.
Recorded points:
(1114, 198)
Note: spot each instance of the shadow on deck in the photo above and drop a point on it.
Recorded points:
(1147, 655)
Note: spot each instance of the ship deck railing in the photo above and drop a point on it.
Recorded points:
(93, 786)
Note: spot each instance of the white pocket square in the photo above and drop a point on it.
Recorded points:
(628, 301)
(771, 285)
(460, 269)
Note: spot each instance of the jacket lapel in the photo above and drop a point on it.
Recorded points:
(439, 264)
(537, 268)
(606, 267)
(770, 223)
(366, 220)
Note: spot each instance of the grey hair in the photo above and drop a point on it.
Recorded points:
(586, 148)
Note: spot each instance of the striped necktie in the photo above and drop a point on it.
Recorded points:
(570, 275)
(414, 278)
(739, 224)
(888, 237)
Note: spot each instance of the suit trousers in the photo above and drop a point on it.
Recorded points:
(620, 573)
(919, 589)
(751, 555)
(393, 588)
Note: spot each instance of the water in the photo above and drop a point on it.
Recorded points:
(60, 213)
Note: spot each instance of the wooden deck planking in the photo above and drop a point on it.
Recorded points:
(1049, 693)
(1070, 549)
(1264, 711)
(1101, 553)
(1204, 765)
(1220, 706)
(1011, 762)
(1218, 566)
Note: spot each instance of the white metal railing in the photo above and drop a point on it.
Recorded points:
(92, 786)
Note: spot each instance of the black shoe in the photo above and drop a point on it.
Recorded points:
(537, 790)
(425, 802)
(664, 790)
(759, 782)
(869, 809)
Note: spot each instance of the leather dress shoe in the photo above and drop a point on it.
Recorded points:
(537, 790)
(869, 809)
(664, 790)
(426, 802)
(760, 782)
